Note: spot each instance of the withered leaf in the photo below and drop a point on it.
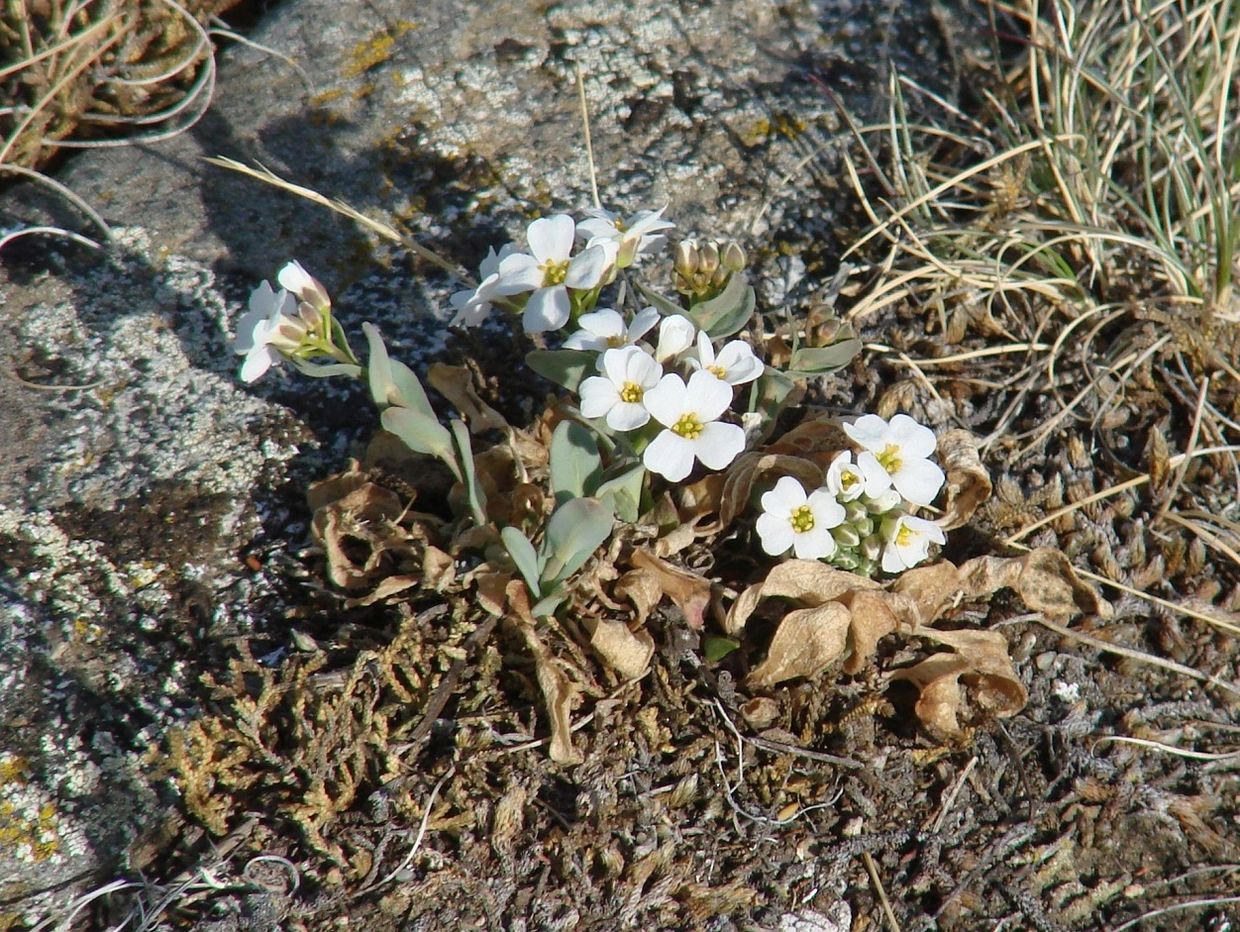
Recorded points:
(975, 680)
(806, 582)
(806, 642)
(1044, 580)
(456, 383)
(642, 589)
(689, 591)
(872, 619)
(559, 691)
(627, 652)
(820, 437)
(968, 482)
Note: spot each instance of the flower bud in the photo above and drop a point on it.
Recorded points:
(708, 259)
(872, 546)
(865, 527)
(855, 511)
(881, 504)
(846, 535)
(732, 256)
(684, 259)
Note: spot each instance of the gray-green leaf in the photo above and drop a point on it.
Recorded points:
(565, 368)
(575, 464)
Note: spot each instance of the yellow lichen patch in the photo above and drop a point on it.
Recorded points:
(375, 50)
(26, 832)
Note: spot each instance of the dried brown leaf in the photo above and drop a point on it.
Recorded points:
(959, 688)
(871, 619)
(627, 652)
(968, 482)
(689, 591)
(806, 642)
(1044, 580)
(456, 383)
(760, 712)
(806, 582)
(559, 690)
(928, 592)
(359, 532)
(642, 589)
(387, 587)
(819, 437)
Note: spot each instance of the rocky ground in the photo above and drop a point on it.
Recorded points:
(156, 568)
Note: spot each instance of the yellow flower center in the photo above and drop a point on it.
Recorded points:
(554, 272)
(688, 426)
(904, 536)
(847, 480)
(631, 393)
(615, 342)
(801, 519)
(620, 225)
(717, 371)
(889, 459)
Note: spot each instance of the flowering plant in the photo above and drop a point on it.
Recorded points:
(661, 444)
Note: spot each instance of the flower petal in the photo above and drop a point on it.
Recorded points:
(787, 494)
(877, 479)
(676, 334)
(814, 544)
(643, 322)
(719, 444)
(551, 238)
(739, 363)
(627, 415)
(548, 309)
(914, 439)
(869, 432)
(598, 396)
(586, 269)
(517, 273)
(919, 481)
(709, 396)
(827, 510)
(257, 361)
(669, 455)
(775, 533)
(668, 400)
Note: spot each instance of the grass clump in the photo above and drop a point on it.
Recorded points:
(1087, 218)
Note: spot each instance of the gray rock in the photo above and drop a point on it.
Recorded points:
(126, 502)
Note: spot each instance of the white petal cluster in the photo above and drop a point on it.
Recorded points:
(280, 324)
(868, 520)
(682, 385)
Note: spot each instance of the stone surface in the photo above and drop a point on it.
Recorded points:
(128, 499)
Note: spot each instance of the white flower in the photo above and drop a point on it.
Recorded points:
(896, 454)
(267, 330)
(689, 413)
(676, 335)
(790, 518)
(549, 272)
(625, 240)
(736, 363)
(908, 542)
(605, 329)
(473, 306)
(308, 290)
(844, 480)
(630, 372)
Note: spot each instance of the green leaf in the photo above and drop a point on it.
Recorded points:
(728, 311)
(546, 606)
(420, 433)
(666, 306)
(819, 360)
(576, 468)
(523, 557)
(565, 368)
(716, 647)
(320, 370)
(624, 492)
(391, 381)
(575, 531)
(469, 477)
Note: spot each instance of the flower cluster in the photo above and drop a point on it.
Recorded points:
(294, 323)
(550, 284)
(860, 519)
(639, 384)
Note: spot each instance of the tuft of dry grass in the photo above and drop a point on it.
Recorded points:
(1075, 242)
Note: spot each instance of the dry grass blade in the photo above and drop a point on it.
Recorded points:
(384, 230)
